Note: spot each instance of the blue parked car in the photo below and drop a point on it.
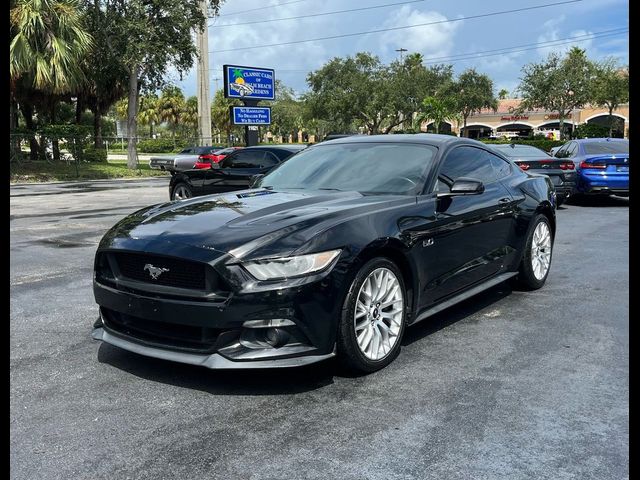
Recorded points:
(602, 165)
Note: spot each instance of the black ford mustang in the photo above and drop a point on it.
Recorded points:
(336, 251)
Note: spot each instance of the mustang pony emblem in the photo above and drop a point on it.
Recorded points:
(155, 272)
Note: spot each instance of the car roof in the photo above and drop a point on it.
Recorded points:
(425, 138)
(591, 140)
(277, 147)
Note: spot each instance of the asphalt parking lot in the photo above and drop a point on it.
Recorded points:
(508, 385)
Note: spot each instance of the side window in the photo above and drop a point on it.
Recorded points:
(572, 149)
(269, 160)
(562, 153)
(465, 162)
(283, 154)
(244, 159)
(502, 168)
(186, 150)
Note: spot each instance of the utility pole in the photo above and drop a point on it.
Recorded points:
(401, 50)
(203, 88)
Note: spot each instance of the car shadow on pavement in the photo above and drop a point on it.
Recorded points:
(280, 381)
(273, 381)
(598, 201)
(457, 312)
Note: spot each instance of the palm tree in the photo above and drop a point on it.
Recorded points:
(502, 94)
(46, 51)
(189, 117)
(171, 105)
(149, 112)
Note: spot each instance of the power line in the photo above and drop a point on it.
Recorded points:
(256, 9)
(530, 46)
(507, 50)
(316, 14)
(504, 12)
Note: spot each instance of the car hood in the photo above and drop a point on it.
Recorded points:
(249, 222)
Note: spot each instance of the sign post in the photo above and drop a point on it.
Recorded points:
(250, 84)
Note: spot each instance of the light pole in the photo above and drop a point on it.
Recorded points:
(401, 50)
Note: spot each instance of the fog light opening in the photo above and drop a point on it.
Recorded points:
(277, 337)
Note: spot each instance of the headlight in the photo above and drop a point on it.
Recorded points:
(275, 268)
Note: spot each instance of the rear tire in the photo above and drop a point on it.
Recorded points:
(536, 260)
(181, 191)
(373, 317)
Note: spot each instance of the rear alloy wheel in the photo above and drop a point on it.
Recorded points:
(536, 260)
(181, 191)
(373, 318)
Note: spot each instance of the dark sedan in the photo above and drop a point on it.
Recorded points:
(534, 160)
(234, 172)
(336, 252)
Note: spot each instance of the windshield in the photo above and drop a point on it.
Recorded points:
(374, 168)
(593, 148)
(521, 151)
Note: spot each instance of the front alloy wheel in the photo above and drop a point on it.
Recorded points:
(181, 192)
(373, 317)
(536, 260)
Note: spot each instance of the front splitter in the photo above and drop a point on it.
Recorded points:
(213, 361)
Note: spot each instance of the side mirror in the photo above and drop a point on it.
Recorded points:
(255, 179)
(464, 186)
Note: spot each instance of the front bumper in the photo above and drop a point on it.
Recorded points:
(212, 331)
(213, 361)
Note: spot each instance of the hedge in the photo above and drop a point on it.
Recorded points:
(160, 145)
(542, 144)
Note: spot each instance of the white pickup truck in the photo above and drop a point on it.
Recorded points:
(184, 160)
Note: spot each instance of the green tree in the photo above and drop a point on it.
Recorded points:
(189, 116)
(107, 79)
(287, 115)
(473, 92)
(171, 105)
(610, 87)
(159, 36)
(503, 93)
(149, 111)
(408, 84)
(48, 45)
(353, 89)
(221, 117)
(437, 109)
(558, 84)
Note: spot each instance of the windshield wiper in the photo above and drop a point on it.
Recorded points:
(334, 189)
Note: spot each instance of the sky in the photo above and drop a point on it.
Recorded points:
(599, 26)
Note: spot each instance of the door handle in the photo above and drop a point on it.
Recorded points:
(504, 200)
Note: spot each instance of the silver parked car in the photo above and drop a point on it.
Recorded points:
(184, 160)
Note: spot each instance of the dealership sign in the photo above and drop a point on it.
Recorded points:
(249, 83)
(251, 115)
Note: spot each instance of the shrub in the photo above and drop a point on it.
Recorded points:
(542, 144)
(92, 154)
(159, 145)
(590, 130)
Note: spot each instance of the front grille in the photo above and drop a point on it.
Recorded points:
(177, 273)
(169, 335)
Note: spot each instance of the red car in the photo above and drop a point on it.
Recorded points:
(206, 160)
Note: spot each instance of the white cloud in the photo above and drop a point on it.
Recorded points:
(431, 41)
(553, 31)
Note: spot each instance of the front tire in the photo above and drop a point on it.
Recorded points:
(536, 260)
(373, 317)
(181, 191)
